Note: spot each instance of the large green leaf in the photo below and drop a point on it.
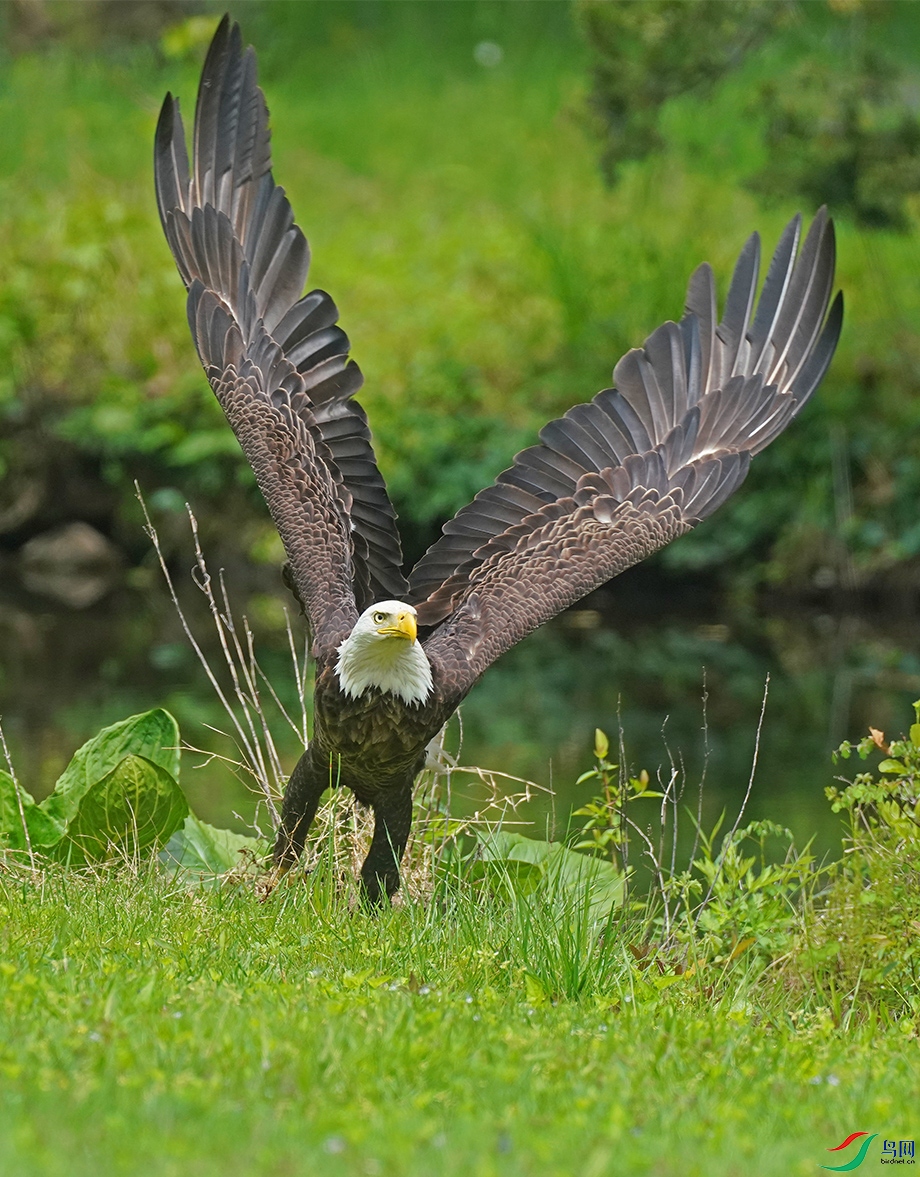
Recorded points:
(512, 860)
(43, 830)
(583, 882)
(135, 806)
(504, 846)
(205, 849)
(153, 735)
(571, 881)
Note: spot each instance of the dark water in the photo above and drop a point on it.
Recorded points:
(632, 663)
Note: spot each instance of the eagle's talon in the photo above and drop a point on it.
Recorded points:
(267, 884)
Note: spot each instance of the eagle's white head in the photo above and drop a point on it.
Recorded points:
(381, 651)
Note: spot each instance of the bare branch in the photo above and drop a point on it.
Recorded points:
(248, 742)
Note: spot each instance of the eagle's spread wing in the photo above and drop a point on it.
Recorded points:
(616, 479)
(264, 398)
(232, 233)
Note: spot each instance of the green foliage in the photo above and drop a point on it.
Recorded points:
(154, 735)
(646, 52)
(866, 930)
(740, 901)
(131, 809)
(849, 138)
(732, 900)
(188, 37)
(204, 849)
(488, 278)
(558, 879)
(604, 832)
(894, 797)
(22, 822)
(823, 111)
(118, 797)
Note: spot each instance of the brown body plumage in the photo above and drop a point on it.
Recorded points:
(609, 483)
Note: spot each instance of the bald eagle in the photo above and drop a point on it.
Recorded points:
(609, 483)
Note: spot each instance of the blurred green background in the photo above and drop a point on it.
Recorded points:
(502, 198)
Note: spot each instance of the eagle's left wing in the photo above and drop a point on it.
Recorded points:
(618, 478)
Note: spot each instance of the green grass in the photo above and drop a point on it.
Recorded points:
(146, 1028)
(748, 1013)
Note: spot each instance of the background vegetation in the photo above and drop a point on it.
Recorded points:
(445, 161)
(502, 197)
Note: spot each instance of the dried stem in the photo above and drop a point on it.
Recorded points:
(706, 750)
(658, 870)
(155, 540)
(18, 791)
(750, 784)
(242, 666)
(300, 674)
(727, 840)
(223, 624)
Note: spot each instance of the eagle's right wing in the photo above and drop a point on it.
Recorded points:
(618, 478)
(227, 213)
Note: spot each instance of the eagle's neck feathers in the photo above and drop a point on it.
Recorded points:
(389, 664)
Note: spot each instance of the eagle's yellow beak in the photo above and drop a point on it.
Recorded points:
(405, 627)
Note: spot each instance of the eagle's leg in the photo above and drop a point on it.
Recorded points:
(392, 820)
(301, 799)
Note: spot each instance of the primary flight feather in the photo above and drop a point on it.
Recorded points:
(609, 483)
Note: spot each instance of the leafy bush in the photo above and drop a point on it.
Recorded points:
(725, 902)
(848, 138)
(865, 933)
(739, 901)
(646, 52)
(846, 931)
(489, 279)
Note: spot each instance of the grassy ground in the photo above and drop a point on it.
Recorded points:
(146, 1028)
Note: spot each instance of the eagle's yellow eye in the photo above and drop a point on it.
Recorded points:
(379, 618)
